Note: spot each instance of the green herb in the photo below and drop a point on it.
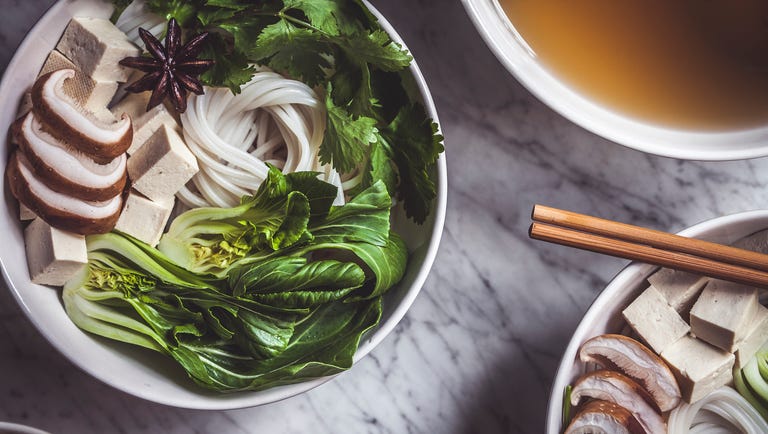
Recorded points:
(275, 291)
(339, 46)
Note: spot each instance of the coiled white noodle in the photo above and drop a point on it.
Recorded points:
(722, 411)
(137, 15)
(273, 120)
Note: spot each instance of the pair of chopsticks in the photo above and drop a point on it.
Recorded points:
(649, 246)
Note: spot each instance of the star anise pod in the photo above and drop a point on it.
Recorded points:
(172, 70)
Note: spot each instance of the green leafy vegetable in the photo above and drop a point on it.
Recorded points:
(277, 290)
(752, 381)
(339, 46)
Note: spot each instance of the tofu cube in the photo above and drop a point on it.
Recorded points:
(26, 214)
(96, 46)
(143, 218)
(145, 123)
(756, 337)
(723, 312)
(84, 90)
(53, 255)
(655, 321)
(162, 166)
(679, 288)
(699, 367)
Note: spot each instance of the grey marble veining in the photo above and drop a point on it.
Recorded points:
(479, 348)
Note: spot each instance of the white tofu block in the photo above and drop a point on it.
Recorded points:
(162, 165)
(53, 255)
(723, 313)
(756, 337)
(679, 288)
(96, 46)
(26, 214)
(89, 93)
(655, 321)
(143, 218)
(699, 367)
(145, 123)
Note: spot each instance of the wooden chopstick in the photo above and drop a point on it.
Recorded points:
(650, 246)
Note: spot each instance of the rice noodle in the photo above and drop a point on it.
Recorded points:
(722, 411)
(137, 15)
(273, 120)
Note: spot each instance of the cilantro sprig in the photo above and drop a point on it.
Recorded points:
(335, 45)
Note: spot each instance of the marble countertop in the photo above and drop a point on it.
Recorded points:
(478, 350)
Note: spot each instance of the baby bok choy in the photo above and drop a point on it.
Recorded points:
(275, 291)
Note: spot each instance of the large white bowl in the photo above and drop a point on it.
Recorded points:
(521, 61)
(131, 369)
(604, 315)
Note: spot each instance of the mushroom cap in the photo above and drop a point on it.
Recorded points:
(72, 123)
(635, 360)
(65, 169)
(619, 389)
(59, 210)
(598, 416)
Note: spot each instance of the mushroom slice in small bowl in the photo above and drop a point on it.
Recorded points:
(619, 389)
(635, 360)
(102, 140)
(598, 416)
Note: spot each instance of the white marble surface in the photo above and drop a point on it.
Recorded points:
(478, 350)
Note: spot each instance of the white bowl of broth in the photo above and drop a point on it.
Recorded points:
(685, 79)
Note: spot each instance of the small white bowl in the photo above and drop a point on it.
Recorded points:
(604, 316)
(510, 48)
(132, 369)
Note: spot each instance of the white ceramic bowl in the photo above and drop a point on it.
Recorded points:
(604, 315)
(131, 369)
(521, 61)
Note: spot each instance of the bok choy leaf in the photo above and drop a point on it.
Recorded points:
(274, 291)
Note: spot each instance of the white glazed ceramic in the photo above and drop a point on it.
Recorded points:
(15, 428)
(604, 314)
(521, 61)
(131, 369)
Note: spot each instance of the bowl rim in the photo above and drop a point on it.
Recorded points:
(625, 281)
(367, 344)
(509, 48)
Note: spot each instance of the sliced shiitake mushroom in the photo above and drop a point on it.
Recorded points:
(619, 389)
(65, 169)
(635, 360)
(59, 210)
(598, 416)
(63, 117)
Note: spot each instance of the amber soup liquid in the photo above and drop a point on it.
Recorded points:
(693, 64)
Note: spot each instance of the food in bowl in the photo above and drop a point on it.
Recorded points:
(672, 358)
(276, 189)
(695, 65)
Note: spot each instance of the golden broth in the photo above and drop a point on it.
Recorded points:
(683, 63)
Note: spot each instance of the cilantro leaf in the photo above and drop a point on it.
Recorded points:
(415, 146)
(301, 53)
(347, 137)
(185, 11)
(377, 49)
(231, 69)
(322, 14)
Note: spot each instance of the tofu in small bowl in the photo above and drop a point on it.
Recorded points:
(705, 334)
